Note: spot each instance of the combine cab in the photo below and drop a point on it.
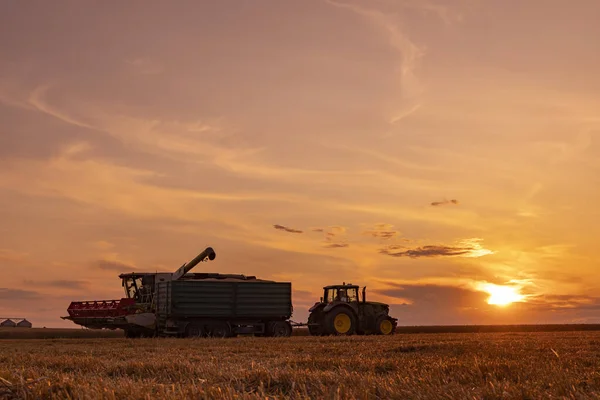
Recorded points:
(342, 311)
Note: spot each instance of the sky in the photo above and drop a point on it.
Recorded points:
(437, 152)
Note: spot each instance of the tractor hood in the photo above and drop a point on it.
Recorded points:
(377, 303)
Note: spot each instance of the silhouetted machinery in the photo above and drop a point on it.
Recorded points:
(185, 304)
(342, 311)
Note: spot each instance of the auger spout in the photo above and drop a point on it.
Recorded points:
(185, 268)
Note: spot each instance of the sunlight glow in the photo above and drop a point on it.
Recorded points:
(502, 295)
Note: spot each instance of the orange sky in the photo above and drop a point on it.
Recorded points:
(134, 134)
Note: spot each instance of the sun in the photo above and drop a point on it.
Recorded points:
(502, 295)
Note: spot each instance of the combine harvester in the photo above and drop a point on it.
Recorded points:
(184, 304)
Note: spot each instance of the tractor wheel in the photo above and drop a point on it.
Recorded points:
(384, 325)
(279, 329)
(194, 329)
(315, 323)
(341, 321)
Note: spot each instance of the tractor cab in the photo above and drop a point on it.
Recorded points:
(346, 293)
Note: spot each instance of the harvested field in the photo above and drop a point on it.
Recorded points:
(75, 333)
(415, 366)
(57, 333)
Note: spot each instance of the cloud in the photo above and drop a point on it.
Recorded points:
(444, 202)
(11, 255)
(465, 248)
(18, 294)
(382, 231)
(110, 265)
(334, 237)
(120, 188)
(426, 304)
(284, 228)
(203, 142)
(60, 283)
(145, 66)
(434, 294)
(103, 245)
(563, 302)
(336, 245)
(447, 14)
(410, 53)
(382, 234)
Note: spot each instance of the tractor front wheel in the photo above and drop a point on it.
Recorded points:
(384, 325)
(341, 321)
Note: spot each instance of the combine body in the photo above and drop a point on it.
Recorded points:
(187, 304)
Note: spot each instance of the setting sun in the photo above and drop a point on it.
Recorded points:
(502, 295)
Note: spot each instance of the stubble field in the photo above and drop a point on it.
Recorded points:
(404, 366)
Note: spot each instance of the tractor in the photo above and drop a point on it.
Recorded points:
(342, 311)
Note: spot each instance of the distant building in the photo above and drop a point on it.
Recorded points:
(8, 323)
(24, 324)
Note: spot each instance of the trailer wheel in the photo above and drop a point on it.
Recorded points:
(280, 329)
(220, 330)
(194, 329)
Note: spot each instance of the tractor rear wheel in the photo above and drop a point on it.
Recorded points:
(341, 321)
(384, 325)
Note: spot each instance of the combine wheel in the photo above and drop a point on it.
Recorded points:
(384, 325)
(279, 329)
(131, 334)
(341, 321)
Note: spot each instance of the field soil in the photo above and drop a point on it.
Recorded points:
(521, 365)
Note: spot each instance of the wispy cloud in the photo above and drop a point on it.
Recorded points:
(382, 231)
(111, 265)
(336, 245)
(444, 202)
(465, 248)
(145, 66)
(103, 245)
(12, 255)
(115, 187)
(59, 283)
(18, 294)
(285, 228)
(410, 54)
